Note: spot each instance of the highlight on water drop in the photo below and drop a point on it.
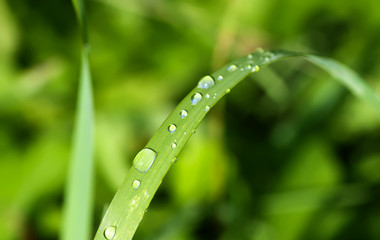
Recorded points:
(220, 78)
(172, 128)
(110, 232)
(136, 184)
(174, 145)
(196, 98)
(256, 68)
(144, 159)
(206, 82)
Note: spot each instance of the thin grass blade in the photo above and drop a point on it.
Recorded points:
(152, 163)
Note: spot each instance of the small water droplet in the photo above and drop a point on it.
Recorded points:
(248, 67)
(207, 108)
(144, 159)
(206, 82)
(145, 210)
(207, 95)
(250, 56)
(228, 90)
(220, 78)
(196, 98)
(183, 113)
(185, 133)
(174, 160)
(110, 232)
(194, 131)
(256, 68)
(215, 94)
(136, 184)
(232, 68)
(174, 145)
(172, 128)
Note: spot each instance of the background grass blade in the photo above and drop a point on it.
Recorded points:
(151, 164)
(78, 195)
(78, 201)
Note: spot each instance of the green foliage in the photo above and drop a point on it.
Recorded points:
(288, 154)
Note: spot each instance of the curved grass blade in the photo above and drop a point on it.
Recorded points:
(77, 217)
(152, 163)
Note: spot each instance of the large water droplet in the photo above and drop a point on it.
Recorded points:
(220, 78)
(144, 159)
(206, 82)
(183, 113)
(172, 128)
(207, 108)
(196, 98)
(232, 68)
(110, 232)
(136, 184)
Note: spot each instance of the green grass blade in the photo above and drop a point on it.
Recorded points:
(348, 78)
(151, 164)
(77, 215)
(78, 195)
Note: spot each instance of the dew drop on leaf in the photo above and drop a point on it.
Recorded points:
(256, 68)
(232, 68)
(172, 128)
(228, 90)
(207, 95)
(174, 145)
(136, 184)
(220, 78)
(144, 159)
(110, 232)
(183, 113)
(206, 82)
(196, 98)
(207, 108)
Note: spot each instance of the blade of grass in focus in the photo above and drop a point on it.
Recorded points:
(77, 216)
(152, 163)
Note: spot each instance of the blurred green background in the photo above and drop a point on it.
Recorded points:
(288, 154)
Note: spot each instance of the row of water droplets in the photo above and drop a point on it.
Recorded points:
(145, 158)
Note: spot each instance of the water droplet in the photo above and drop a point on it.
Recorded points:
(174, 145)
(110, 232)
(232, 68)
(206, 82)
(228, 90)
(207, 108)
(220, 78)
(136, 184)
(183, 113)
(144, 159)
(256, 68)
(174, 160)
(185, 133)
(146, 210)
(172, 128)
(248, 67)
(194, 131)
(250, 56)
(215, 94)
(196, 98)
(207, 95)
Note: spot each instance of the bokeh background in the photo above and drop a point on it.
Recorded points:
(288, 154)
